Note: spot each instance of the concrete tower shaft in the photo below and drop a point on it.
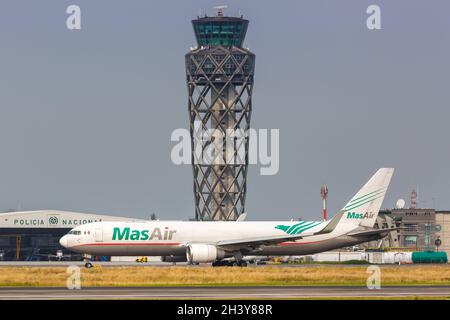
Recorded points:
(220, 81)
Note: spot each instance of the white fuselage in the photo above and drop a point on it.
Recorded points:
(201, 241)
(170, 238)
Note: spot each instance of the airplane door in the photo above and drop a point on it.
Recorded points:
(98, 235)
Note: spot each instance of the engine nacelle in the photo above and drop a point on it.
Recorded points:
(199, 252)
(173, 259)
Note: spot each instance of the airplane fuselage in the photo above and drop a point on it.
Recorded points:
(170, 238)
(200, 241)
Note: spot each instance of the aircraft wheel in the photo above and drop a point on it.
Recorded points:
(242, 264)
(88, 265)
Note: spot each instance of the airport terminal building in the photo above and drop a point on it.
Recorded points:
(34, 235)
(422, 229)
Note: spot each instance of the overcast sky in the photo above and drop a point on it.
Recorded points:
(86, 116)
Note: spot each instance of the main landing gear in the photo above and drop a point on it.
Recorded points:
(229, 263)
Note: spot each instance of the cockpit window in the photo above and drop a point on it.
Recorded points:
(75, 232)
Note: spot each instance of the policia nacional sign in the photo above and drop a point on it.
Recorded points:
(51, 219)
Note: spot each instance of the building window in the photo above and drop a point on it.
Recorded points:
(411, 227)
(427, 240)
(410, 241)
(427, 232)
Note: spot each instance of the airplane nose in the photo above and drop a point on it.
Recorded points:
(63, 241)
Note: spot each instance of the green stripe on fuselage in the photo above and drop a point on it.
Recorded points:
(291, 228)
(305, 226)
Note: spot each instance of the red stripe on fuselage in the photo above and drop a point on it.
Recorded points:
(298, 243)
(288, 243)
(129, 244)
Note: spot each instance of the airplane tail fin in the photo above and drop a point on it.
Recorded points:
(362, 210)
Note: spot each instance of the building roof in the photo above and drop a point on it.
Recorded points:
(53, 219)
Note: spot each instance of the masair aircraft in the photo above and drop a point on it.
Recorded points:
(218, 241)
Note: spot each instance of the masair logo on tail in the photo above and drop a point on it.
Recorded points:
(354, 215)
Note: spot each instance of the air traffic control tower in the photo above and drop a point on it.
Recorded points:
(219, 80)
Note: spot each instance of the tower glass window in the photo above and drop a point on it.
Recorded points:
(223, 31)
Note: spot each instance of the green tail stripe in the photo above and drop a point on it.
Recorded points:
(294, 230)
(353, 200)
(307, 228)
(370, 197)
(294, 226)
(356, 206)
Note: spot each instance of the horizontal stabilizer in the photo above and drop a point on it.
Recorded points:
(373, 232)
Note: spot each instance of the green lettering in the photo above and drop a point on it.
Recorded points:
(351, 215)
(135, 235)
(117, 235)
(144, 235)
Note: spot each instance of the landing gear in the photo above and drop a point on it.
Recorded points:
(87, 259)
(229, 263)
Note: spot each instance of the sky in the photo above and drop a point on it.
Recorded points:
(86, 115)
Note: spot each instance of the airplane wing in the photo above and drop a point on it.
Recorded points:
(253, 243)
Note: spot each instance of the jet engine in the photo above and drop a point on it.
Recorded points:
(198, 252)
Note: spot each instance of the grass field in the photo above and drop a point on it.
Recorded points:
(221, 276)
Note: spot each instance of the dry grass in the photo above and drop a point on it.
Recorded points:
(156, 276)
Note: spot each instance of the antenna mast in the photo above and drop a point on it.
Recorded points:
(324, 193)
(220, 10)
(413, 198)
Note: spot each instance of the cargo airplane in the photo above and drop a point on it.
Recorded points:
(220, 242)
